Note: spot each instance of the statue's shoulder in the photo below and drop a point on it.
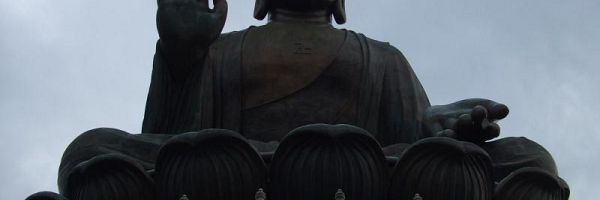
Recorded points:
(233, 35)
(376, 47)
(374, 44)
(230, 39)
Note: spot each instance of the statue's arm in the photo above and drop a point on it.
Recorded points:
(473, 120)
(404, 102)
(187, 28)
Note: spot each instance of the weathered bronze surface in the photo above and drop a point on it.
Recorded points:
(223, 112)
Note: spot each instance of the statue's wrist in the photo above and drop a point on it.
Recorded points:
(182, 51)
(180, 60)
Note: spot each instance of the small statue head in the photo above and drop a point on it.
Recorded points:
(417, 197)
(340, 195)
(184, 197)
(260, 195)
(331, 7)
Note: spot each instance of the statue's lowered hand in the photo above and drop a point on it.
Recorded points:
(190, 23)
(472, 120)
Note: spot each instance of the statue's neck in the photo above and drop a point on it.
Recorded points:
(312, 17)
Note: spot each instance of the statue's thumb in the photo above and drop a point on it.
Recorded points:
(499, 111)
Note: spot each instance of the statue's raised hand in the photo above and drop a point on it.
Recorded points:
(190, 23)
(472, 120)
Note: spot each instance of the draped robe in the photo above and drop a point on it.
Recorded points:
(386, 97)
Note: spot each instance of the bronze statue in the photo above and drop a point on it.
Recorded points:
(240, 98)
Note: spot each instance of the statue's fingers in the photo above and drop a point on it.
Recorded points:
(470, 103)
(447, 133)
(496, 111)
(479, 113)
(464, 125)
(220, 7)
(491, 131)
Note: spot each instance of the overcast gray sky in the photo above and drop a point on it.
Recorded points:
(69, 66)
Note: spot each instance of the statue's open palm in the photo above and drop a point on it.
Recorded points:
(190, 22)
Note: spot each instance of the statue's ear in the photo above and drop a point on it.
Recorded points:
(261, 9)
(339, 11)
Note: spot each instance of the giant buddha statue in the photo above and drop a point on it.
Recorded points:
(297, 109)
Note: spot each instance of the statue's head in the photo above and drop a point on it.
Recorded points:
(330, 7)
